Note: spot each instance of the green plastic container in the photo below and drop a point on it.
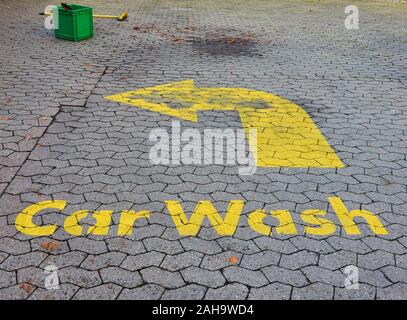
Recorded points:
(75, 24)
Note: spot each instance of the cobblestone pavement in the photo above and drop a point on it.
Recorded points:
(61, 140)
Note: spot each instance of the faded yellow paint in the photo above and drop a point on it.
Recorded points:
(255, 220)
(347, 218)
(24, 222)
(71, 223)
(286, 134)
(102, 224)
(127, 220)
(191, 227)
(286, 225)
(323, 227)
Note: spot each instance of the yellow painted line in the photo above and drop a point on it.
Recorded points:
(286, 134)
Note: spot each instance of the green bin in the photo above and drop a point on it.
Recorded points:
(75, 24)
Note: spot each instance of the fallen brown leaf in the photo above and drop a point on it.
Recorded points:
(50, 245)
(233, 259)
(26, 287)
(177, 39)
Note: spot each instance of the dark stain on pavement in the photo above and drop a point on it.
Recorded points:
(225, 46)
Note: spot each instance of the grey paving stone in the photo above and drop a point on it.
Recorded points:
(108, 259)
(14, 246)
(49, 245)
(103, 292)
(276, 245)
(199, 245)
(100, 197)
(274, 291)
(234, 291)
(363, 292)
(396, 291)
(259, 260)
(290, 277)
(146, 292)
(3, 256)
(79, 277)
(151, 230)
(401, 261)
(395, 274)
(189, 292)
(162, 277)
(87, 245)
(315, 291)
(121, 277)
(314, 245)
(348, 244)
(124, 245)
(22, 184)
(299, 260)
(142, 261)
(10, 204)
(337, 260)
(181, 260)
(33, 275)
(211, 279)
(245, 276)
(376, 260)
(318, 274)
(385, 245)
(220, 260)
(162, 245)
(15, 293)
(33, 259)
(64, 292)
(241, 246)
(7, 279)
(72, 258)
(375, 278)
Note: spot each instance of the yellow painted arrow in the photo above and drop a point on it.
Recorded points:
(286, 134)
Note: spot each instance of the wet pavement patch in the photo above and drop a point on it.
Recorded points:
(226, 45)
